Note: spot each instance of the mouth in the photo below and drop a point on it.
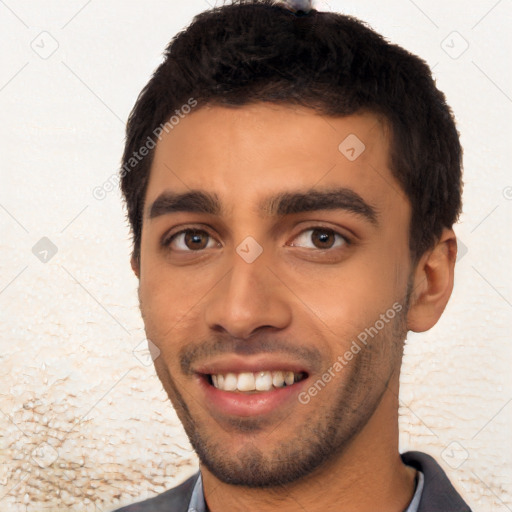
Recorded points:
(254, 382)
(241, 387)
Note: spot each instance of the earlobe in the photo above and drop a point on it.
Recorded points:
(432, 283)
(135, 266)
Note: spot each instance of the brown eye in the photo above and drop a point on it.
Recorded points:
(196, 239)
(321, 238)
(190, 240)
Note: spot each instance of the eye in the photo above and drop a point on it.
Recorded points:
(322, 238)
(190, 240)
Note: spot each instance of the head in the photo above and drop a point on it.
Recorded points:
(317, 170)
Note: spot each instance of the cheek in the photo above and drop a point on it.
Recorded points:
(171, 299)
(342, 301)
(159, 283)
(164, 309)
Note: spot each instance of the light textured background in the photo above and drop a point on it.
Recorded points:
(85, 424)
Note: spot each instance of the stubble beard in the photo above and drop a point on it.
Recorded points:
(323, 435)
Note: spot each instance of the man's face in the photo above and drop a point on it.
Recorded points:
(271, 278)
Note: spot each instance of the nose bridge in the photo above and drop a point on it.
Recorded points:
(249, 297)
(248, 280)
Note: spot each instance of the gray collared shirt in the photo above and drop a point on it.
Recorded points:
(197, 503)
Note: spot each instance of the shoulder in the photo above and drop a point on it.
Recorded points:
(438, 493)
(173, 500)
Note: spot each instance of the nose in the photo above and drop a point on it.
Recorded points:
(248, 298)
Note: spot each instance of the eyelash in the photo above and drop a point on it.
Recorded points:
(168, 239)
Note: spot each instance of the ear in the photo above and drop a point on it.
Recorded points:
(135, 263)
(432, 283)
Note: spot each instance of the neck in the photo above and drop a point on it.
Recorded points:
(369, 475)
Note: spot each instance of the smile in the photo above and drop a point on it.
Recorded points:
(263, 380)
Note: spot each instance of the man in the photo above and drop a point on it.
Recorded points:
(291, 181)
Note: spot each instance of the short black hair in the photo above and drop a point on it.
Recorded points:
(252, 51)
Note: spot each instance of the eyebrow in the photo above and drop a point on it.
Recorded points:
(280, 205)
(288, 203)
(194, 201)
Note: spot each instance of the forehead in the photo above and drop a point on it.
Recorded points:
(243, 154)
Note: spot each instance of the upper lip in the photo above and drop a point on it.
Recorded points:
(241, 364)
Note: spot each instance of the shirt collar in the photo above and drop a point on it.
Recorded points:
(197, 503)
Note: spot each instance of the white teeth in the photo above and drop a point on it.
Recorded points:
(263, 381)
(230, 382)
(246, 382)
(258, 381)
(278, 379)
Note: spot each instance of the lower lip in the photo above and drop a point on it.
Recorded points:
(248, 404)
